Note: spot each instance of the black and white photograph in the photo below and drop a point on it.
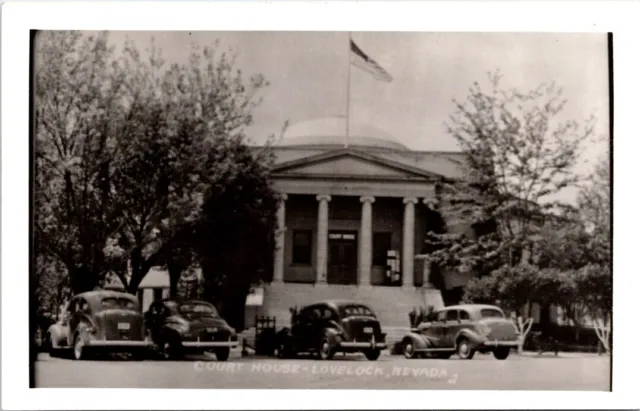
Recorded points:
(338, 209)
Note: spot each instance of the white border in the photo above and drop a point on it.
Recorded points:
(574, 16)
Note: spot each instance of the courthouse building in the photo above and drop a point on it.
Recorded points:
(353, 219)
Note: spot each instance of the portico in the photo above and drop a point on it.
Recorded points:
(347, 244)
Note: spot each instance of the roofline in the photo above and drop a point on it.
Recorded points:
(358, 154)
(325, 147)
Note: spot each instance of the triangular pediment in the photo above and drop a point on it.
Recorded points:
(350, 163)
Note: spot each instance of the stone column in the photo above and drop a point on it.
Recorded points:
(278, 262)
(323, 238)
(408, 240)
(365, 241)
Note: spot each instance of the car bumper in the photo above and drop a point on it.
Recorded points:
(496, 343)
(379, 345)
(118, 343)
(209, 344)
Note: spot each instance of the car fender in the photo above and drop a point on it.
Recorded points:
(473, 337)
(82, 329)
(57, 334)
(419, 341)
(334, 334)
(172, 330)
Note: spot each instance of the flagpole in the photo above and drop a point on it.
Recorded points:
(346, 136)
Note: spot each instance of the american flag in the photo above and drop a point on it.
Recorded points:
(366, 63)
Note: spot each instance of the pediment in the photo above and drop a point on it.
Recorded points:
(350, 163)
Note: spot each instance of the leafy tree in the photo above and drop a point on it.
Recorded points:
(595, 283)
(594, 205)
(127, 149)
(51, 286)
(178, 117)
(236, 230)
(518, 154)
(77, 93)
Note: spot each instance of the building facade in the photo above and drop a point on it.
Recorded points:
(353, 219)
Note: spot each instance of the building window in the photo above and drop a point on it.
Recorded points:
(157, 294)
(302, 247)
(381, 245)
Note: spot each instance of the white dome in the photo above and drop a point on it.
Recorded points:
(331, 131)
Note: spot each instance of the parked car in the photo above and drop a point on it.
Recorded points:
(99, 321)
(328, 327)
(464, 330)
(189, 326)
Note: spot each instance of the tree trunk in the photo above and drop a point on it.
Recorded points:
(137, 275)
(175, 271)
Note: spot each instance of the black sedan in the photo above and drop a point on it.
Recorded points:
(328, 327)
(181, 327)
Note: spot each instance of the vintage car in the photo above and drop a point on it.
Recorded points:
(464, 330)
(99, 321)
(182, 327)
(328, 327)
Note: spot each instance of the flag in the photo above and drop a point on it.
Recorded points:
(366, 63)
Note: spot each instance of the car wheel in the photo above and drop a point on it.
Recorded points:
(408, 350)
(222, 354)
(325, 352)
(79, 351)
(372, 354)
(501, 353)
(464, 349)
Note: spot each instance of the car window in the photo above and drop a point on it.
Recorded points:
(118, 303)
(490, 313)
(352, 310)
(198, 308)
(441, 316)
(464, 316)
(306, 314)
(327, 314)
(452, 315)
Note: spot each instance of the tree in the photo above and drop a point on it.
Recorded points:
(594, 205)
(237, 226)
(518, 155)
(125, 149)
(178, 116)
(596, 280)
(596, 295)
(77, 93)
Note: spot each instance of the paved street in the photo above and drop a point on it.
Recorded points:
(566, 372)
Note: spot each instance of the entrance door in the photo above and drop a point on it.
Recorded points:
(343, 258)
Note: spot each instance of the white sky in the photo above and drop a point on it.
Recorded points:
(307, 72)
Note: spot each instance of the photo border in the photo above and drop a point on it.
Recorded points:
(619, 17)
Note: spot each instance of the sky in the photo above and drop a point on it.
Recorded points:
(308, 72)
